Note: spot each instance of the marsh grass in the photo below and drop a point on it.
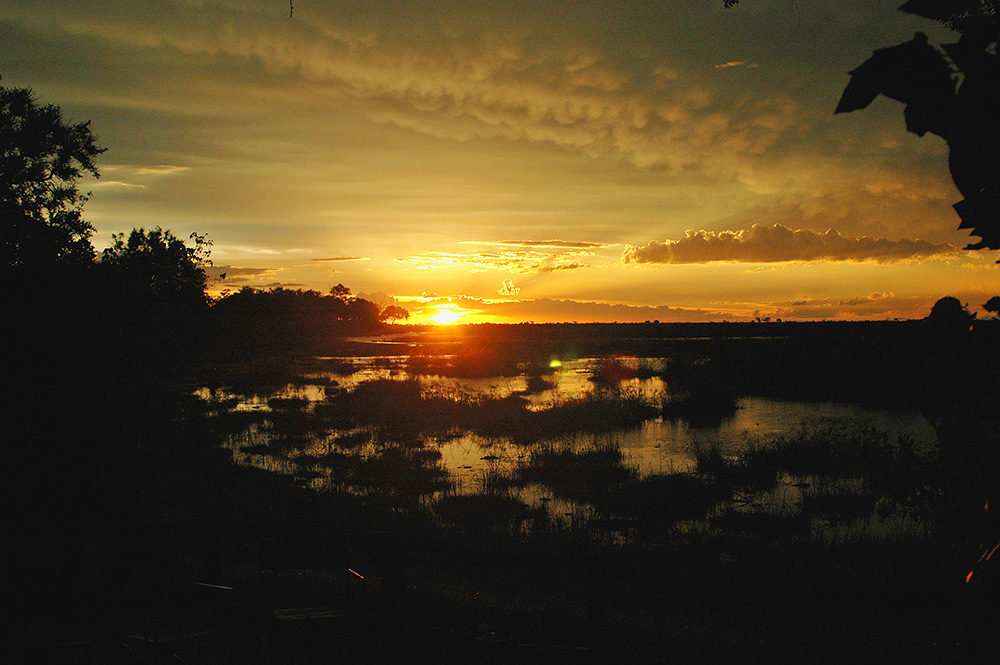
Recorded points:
(498, 480)
(829, 487)
(837, 501)
(737, 470)
(472, 364)
(405, 475)
(656, 505)
(590, 476)
(700, 406)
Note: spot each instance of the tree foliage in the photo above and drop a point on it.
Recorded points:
(287, 319)
(157, 267)
(42, 159)
(393, 313)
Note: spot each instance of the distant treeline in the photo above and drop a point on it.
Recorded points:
(286, 320)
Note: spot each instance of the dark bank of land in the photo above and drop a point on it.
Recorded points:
(893, 363)
(134, 537)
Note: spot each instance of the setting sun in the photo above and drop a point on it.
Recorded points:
(447, 316)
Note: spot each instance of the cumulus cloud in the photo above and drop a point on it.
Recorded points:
(507, 288)
(870, 299)
(777, 243)
(879, 305)
(557, 267)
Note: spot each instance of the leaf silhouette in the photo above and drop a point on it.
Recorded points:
(939, 10)
(914, 73)
(967, 117)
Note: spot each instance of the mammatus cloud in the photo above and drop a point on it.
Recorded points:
(492, 85)
(771, 244)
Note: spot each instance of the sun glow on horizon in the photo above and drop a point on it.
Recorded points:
(447, 315)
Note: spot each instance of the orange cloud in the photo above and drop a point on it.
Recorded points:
(518, 257)
(507, 288)
(777, 243)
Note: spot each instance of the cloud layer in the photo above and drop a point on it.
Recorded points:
(514, 256)
(777, 243)
(370, 140)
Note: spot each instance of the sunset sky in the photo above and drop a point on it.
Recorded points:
(621, 160)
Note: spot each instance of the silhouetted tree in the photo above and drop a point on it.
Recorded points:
(340, 291)
(151, 292)
(156, 268)
(362, 312)
(288, 320)
(42, 159)
(951, 310)
(948, 326)
(393, 313)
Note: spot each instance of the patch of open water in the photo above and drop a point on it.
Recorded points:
(656, 447)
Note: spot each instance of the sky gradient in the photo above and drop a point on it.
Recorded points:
(515, 160)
